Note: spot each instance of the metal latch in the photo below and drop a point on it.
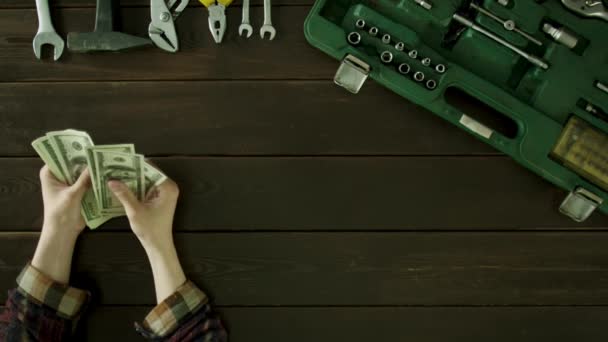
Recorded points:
(580, 204)
(352, 73)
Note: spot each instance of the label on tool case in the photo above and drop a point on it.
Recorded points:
(476, 126)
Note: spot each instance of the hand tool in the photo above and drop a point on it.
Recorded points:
(561, 35)
(440, 68)
(386, 39)
(46, 32)
(400, 46)
(267, 26)
(424, 4)
(587, 8)
(386, 57)
(419, 76)
(245, 25)
(104, 38)
(431, 84)
(217, 17)
(162, 27)
(601, 86)
(354, 38)
(373, 31)
(531, 58)
(413, 54)
(360, 23)
(509, 25)
(426, 61)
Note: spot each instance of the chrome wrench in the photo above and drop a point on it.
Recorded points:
(46, 32)
(531, 58)
(588, 8)
(267, 27)
(245, 25)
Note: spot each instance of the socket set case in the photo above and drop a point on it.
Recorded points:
(527, 77)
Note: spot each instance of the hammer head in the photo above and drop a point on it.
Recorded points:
(104, 41)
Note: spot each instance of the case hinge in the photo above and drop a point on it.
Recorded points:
(352, 73)
(580, 204)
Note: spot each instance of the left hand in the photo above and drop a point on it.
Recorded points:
(62, 203)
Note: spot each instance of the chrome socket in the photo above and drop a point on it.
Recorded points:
(404, 68)
(354, 38)
(386, 38)
(386, 57)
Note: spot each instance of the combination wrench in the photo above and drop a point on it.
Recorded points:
(46, 32)
(267, 27)
(245, 25)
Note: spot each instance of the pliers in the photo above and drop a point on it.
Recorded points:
(217, 17)
(162, 27)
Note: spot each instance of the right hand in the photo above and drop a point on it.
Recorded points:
(151, 220)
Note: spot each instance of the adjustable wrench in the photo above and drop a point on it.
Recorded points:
(267, 27)
(245, 25)
(46, 32)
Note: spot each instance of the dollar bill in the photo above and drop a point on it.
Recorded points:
(152, 177)
(67, 153)
(90, 154)
(125, 167)
(62, 152)
(42, 146)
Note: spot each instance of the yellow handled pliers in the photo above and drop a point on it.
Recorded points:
(217, 17)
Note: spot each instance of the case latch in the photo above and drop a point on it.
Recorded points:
(352, 73)
(580, 204)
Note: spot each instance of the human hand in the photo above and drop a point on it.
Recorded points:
(62, 203)
(152, 219)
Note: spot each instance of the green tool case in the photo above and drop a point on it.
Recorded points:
(529, 77)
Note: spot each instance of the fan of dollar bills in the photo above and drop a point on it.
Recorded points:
(67, 153)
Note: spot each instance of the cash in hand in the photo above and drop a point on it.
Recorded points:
(67, 153)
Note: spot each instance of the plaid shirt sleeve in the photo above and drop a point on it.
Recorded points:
(185, 316)
(40, 309)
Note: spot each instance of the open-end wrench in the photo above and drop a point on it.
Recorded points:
(267, 27)
(46, 32)
(245, 25)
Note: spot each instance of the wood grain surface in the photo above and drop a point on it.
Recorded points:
(354, 269)
(306, 213)
(332, 193)
(269, 118)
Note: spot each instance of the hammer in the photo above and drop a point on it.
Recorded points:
(104, 38)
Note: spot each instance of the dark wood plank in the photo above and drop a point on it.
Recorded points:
(356, 324)
(363, 324)
(392, 193)
(192, 6)
(314, 269)
(288, 56)
(198, 118)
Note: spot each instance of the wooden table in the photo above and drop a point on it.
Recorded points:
(307, 213)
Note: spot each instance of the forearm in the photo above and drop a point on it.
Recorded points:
(166, 269)
(54, 252)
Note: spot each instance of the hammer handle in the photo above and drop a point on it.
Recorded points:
(104, 16)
